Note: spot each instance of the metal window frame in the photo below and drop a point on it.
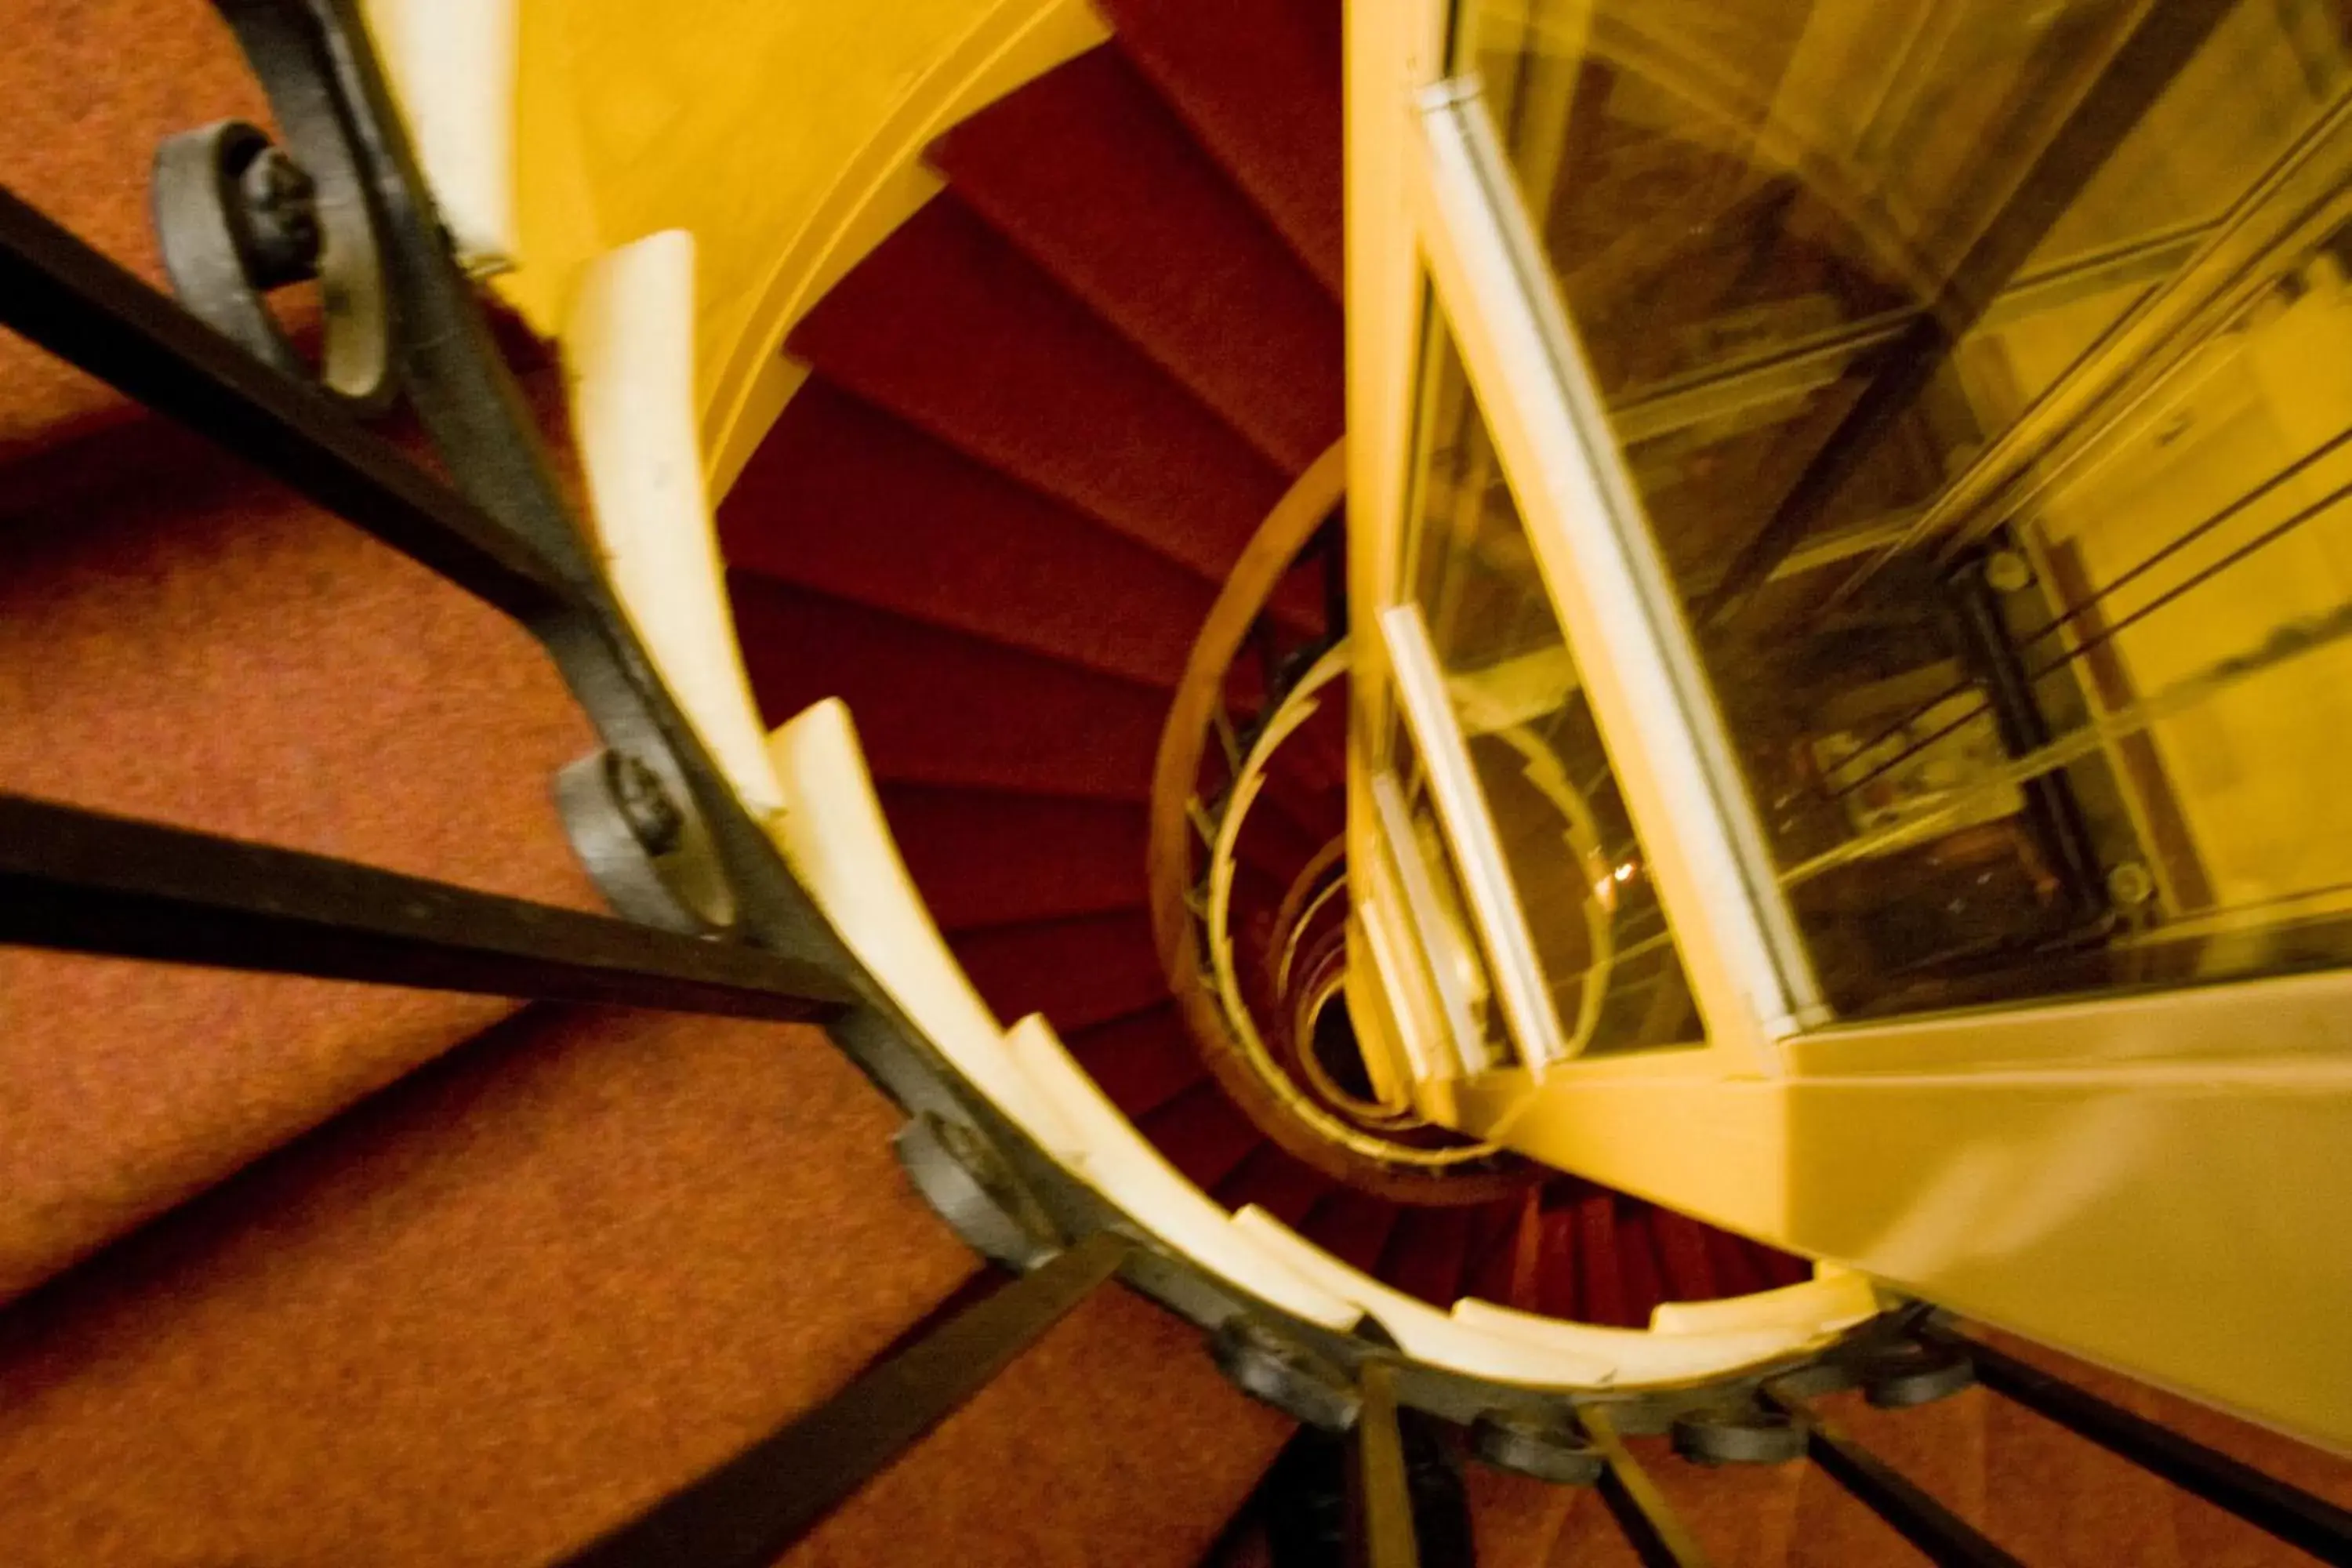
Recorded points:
(1509, 948)
(1450, 1006)
(1402, 1023)
(1393, 47)
(1667, 740)
(1439, 234)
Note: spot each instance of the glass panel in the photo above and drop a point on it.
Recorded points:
(1461, 966)
(1982, 370)
(1576, 868)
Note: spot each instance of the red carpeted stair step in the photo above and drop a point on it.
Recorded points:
(940, 707)
(1492, 1225)
(1077, 972)
(1261, 873)
(1687, 1269)
(1354, 1226)
(1276, 1182)
(1140, 1061)
(1203, 1135)
(91, 87)
(1508, 1271)
(1601, 1293)
(1135, 219)
(1778, 1266)
(983, 857)
(952, 329)
(1114, 1440)
(846, 500)
(1734, 1261)
(1316, 816)
(183, 641)
(1637, 1263)
(1516, 1523)
(1258, 82)
(1322, 744)
(484, 1315)
(1552, 1280)
(1427, 1253)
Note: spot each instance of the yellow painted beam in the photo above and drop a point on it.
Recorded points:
(2183, 1221)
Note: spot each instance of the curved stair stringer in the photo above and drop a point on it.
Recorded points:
(833, 833)
(868, 638)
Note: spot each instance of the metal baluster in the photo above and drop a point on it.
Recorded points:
(90, 883)
(1381, 1519)
(1946, 1537)
(748, 1511)
(1656, 1532)
(2291, 1514)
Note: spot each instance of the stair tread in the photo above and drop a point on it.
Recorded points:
(984, 857)
(1258, 82)
(1021, 722)
(2049, 1495)
(843, 499)
(1141, 1059)
(1270, 840)
(1423, 1256)
(183, 641)
(81, 156)
(1491, 1226)
(1601, 1288)
(1516, 1522)
(1752, 1515)
(1562, 1287)
(480, 1318)
(1312, 815)
(1279, 1181)
(1688, 1271)
(1090, 174)
(1202, 1134)
(1637, 1263)
(1064, 404)
(1077, 972)
(1354, 1226)
(1071, 1458)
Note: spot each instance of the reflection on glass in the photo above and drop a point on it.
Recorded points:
(1986, 373)
(1579, 880)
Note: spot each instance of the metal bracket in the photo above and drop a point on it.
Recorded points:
(970, 1187)
(1740, 1434)
(345, 201)
(1538, 1444)
(1273, 1368)
(237, 216)
(648, 857)
(1901, 1375)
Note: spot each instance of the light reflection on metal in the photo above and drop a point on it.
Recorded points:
(1472, 844)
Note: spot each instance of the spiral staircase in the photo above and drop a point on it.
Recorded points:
(1032, 563)
(1003, 575)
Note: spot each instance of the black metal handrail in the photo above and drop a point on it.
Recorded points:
(716, 921)
(2293, 1515)
(746, 1514)
(91, 883)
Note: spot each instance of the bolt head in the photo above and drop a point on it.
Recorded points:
(645, 804)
